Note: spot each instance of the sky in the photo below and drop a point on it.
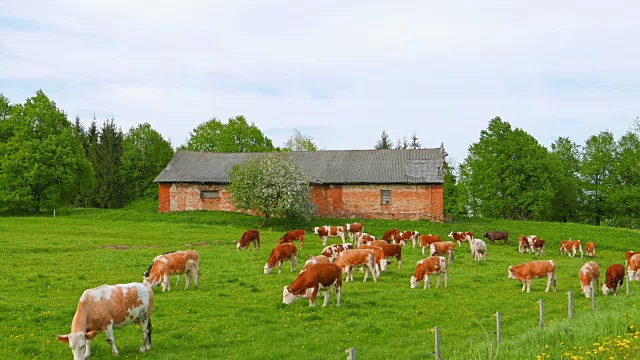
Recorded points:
(340, 72)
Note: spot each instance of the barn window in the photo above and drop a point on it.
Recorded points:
(385, 197)
(209, 194)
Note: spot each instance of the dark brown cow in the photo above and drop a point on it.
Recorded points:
(293, 235)
(391, 235)
(249, 236)
(497, 235)
(615, 278)
(321, 276)
(538, 246)
(390, 251)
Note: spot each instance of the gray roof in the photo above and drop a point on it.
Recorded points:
(421, 166)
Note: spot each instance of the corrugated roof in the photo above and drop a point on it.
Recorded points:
(420, 166)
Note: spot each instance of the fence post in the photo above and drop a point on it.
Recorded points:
(437, 329)
(499, 335)
(542, 313)
(593, 295)
(54, 213)
(352, 354)
(570, 293)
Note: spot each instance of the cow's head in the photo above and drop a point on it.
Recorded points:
(414, 282)
(78, 343)
(383, 265)
(486, 235)
(288, 297)
(267, 269)
(586, 290)
(451, 234)
(316, 229)
(605, 289)
(511, 276)
(239, 246)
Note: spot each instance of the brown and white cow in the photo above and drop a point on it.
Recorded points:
(478, 249)
(633, 268)
(329, 231)
(354, 229)
(315, 278)
(293, 235)
(249, 236)
(428, 266)
(538, 246)
(332, 251)
(381, 261)
(105, 308)
(349, 259)
(406, 236)
(165, 265)
(391, 235)
(461, 236)
(591, 249)
(427, 239)
(628, 255)
(497, 235)
(614, 278)
(534, 269)
(589, 278)
(570, 247)
(390, 251)
(532, 239)
(315, 260)
(364, 238)
(523, 244)
(443, 248)
(278, 255)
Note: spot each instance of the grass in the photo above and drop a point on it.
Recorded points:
(238, 311)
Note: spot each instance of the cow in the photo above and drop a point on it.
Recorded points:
(478, 249)
(165, 265)
(329, 231)
(353, 230)
(249, 236)
(497, 235)
(332, 251)
(311, 280)
(381, 261)
(349, 259)
(591, 249)
(523, 244)
(461, 236)
(628, 256)
(316, 260)
(442, 248)
(428, 266)
(391, 235)
(390, 250)
(293, 235)
(427, 239)
(534, 269)
(364, 238)
(634, 268)
(589, 278)
(107, 307)
(278, 255)
(538, 246)
(570, 247)
(406, 236)
(531, 239)
(614, 278)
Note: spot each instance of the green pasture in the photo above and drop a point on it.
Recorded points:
(238, 313)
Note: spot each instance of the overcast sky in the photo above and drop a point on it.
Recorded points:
(338, 71)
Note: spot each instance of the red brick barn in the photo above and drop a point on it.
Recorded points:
(390, 184)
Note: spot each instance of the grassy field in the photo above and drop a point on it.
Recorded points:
(238, 311)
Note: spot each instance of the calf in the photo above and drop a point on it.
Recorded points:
(179, 262)
(614, 278)
(293, 235)
(332, 251)
(531, 239)
(478, 249)
(589, 278)
(534, 269)
(570, 247)
(461, 236)
(314, 278)
(278, 255)
(391, 235)
(428, 266)
(443, 248)
(634, 267)
(427, 239)
(329, 231)
(497, 235)
(538, 246)
(349, 259)
(364, 238)
(353, 230)
(315, 260)
(406, 236)
(249, 236)
(591, 249)
(105, 308)
(523, 244)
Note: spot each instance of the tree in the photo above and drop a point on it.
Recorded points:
(565, 159)
(145, 153)
(300, 142)
(404, 144)
(41, 163)
(596, 173)
(623, 203)
(453, 201)
(414, 142)
(109, 181)
(272, 185)
(235, 136)
(384, 142)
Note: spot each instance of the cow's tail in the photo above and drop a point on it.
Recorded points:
(149, 329)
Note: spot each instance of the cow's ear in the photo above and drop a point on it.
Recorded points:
(63, 338)
(91, 334)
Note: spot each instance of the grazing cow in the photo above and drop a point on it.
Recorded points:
(315, 278)
(249, 236)
(531, 239)
(315, 260)
(478, 249)
(427, 239)
(332, 251)
(278, 255)
(589, 278)
(378, 243)
(523, 244)
(354, 229)
(364, 238)
(329, 231)
(497, 235)
(443, 248)
(165, 265)
(105, 308)
(591, 249)
(293, 235)
(570, 247)
(349, 259)
(391, 235)
(381, 261)
(628, 256)
(428, 266)
(390, 250)
(534, 269)
(634, 267)
(461, 236)
(614, 278)
(406, 236)
(538, 246)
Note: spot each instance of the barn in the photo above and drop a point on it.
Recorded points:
(389, 184)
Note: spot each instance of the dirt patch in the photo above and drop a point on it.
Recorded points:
(197, 244)
(125, 247)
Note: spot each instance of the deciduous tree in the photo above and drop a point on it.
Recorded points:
(237, 135)
(300, 142)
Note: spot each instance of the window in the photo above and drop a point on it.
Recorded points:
(385, 197)
(209, 194)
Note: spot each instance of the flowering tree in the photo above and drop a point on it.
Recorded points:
(272, 185)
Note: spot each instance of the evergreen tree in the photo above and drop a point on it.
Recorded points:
(108, 159)
(384, 142)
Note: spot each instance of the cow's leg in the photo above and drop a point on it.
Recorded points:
(524, 285)
(338, 294)
(294, 261)
(188, 274)
(326, 297)
(145, 326)
(438, 280)
(279, 266)
(344, 239)
(87, 349)
(312, 298)
(366, 274)
(550, 280)
(399, 263)
(375, 278)
(426, 281)
(324, 241)
(196, 277)
(108, 332)
(423, 250)
(178, 279)
(446, 278)
(166, 284)
(528, 285)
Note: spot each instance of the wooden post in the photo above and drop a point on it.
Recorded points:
(54, 213)
(352, 354)
(498, 329)
(437, 329)
(593, 296)
(542, 313)
(570, 293)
